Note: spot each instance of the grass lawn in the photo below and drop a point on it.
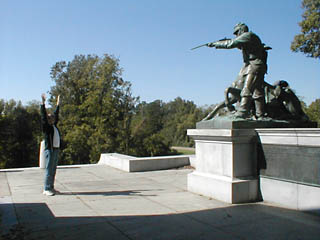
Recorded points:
(184, 150)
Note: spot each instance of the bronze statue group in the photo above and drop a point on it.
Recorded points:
(256, 99)
(52, 145)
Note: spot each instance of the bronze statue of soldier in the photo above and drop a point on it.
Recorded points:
(251, 75)
(256, 98)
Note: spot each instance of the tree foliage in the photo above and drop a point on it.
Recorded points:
(180, 115)
(146, 126)
(308, 41)
(20, 134)
(96, 107)
(156, 126)
(313, 111)
(99, 114)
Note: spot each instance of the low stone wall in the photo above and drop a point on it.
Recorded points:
(134, 164)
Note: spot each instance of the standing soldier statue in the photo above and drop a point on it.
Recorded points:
(251, 75)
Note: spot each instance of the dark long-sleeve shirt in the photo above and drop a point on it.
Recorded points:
(47, 128)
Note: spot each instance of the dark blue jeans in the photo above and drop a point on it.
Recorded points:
(51, 167)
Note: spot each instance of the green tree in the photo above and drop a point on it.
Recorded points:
(157, 126)
(20, 134)
(308, 41)
(155, 145)
(146, 126)
(313, 111)
(96, 107)
(180, 115)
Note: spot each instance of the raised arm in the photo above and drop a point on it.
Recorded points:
(43, 97)
(43, 112)
(56, 112)
(58, 100)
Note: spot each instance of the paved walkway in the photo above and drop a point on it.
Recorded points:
(99, 202)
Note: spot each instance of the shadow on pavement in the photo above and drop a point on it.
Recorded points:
(111, 193)
(68, 167)
(247, 221)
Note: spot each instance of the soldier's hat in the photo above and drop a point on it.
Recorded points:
(240, 26)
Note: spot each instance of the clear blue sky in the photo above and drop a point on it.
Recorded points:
(152, 40)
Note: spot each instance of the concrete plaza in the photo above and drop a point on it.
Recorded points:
(100, 202)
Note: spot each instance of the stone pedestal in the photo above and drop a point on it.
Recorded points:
(226, 163)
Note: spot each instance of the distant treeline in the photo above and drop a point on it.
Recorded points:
(149, 129)
(98, 114)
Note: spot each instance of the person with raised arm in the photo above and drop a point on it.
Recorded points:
(52, 144)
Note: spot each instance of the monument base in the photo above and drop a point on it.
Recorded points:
(223, 188)
(289, 167)
(225, 165)
(229, 122)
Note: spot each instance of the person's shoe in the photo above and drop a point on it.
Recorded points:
(48, 193)
(55, 191)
